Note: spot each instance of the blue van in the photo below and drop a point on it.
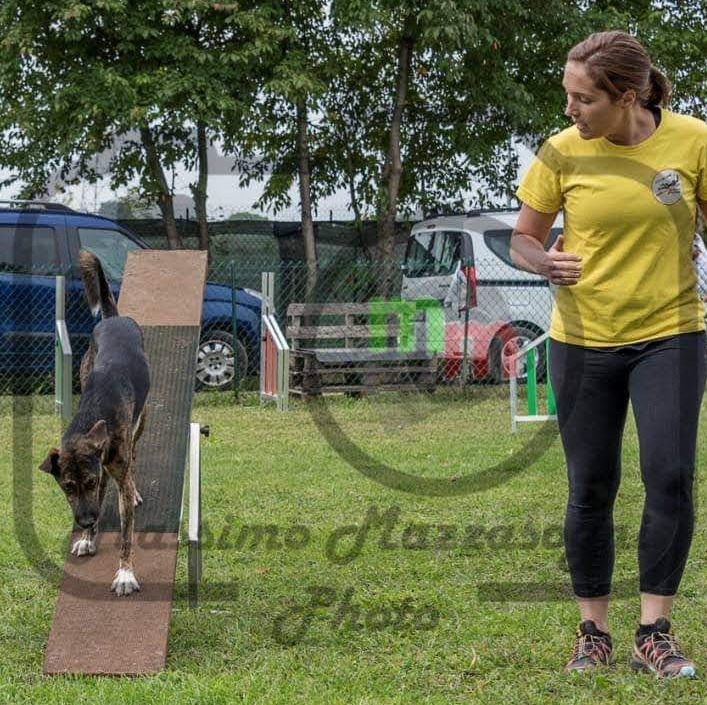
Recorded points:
(40, 240)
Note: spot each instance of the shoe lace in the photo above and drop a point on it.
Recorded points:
(661, 646)
(590, 644)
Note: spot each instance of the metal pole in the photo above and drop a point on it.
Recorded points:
(234, 329)
(467, 303)
(550, 394)
(62, 355)
(267, 280)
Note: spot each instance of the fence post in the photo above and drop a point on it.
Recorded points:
(234, 329)
(464, 378)
(266, 290)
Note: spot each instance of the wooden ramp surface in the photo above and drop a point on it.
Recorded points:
(94, 631)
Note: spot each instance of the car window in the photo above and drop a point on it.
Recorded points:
(110, 246)
(28, 249)
(433, 253)
(499, 242)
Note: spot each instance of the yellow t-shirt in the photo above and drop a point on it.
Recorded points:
(629, 212)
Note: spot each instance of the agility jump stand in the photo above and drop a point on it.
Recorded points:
(62, 356)
(529, 355)
(274, 351)
(94, 631)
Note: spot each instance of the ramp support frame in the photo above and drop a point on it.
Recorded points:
(194, 565)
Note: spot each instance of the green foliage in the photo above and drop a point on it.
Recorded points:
(91, 72)
(75, 76)
(245, 215)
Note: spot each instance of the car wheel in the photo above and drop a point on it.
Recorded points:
(502, 349)
(215, 360)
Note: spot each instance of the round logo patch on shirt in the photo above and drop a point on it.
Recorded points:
(666, 186)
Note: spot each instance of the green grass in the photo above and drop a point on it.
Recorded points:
(497, 585)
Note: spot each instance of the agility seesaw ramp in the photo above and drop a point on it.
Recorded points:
(94, 631)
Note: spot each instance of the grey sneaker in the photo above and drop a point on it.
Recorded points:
(656, 650)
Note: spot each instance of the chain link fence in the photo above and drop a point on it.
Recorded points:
(27, 328)
(383, 325)
(366, 325)
(355, 324)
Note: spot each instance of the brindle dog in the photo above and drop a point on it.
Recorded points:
(101, 438)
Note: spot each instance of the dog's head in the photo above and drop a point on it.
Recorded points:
(77, 467)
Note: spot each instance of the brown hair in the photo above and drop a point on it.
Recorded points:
(618, 62)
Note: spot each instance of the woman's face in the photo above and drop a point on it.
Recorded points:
(591, 108)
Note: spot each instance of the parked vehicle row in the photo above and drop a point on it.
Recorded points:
(491, 308)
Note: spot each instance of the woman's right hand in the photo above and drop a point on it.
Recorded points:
(560, 267)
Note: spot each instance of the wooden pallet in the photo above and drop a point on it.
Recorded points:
(351, 348)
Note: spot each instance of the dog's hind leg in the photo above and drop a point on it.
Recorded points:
(139, 427)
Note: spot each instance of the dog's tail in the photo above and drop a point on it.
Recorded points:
(98, 292)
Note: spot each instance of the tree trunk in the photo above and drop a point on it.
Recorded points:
(393, 168)
(358, 221)
(164, 195)
(310, 249)
(199, 190)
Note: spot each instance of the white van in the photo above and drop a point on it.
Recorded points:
(491, 307)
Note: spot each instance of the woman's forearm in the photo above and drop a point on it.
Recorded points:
(528, 254)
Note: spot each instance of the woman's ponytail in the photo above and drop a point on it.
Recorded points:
(660, 89)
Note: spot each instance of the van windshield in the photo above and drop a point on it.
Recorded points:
(433, 253)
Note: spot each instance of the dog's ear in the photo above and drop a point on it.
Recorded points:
(50, 464)
(97, 437)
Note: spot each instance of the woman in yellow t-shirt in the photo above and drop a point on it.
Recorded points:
(627, 324)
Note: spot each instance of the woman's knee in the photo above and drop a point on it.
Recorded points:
(669, 485)
(594, 495)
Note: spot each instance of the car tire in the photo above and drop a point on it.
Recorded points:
(215, 360)
(501, 348)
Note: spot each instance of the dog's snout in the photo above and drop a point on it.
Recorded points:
(86, 521)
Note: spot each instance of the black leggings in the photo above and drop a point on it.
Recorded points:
(664, 379)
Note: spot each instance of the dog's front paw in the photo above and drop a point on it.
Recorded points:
(125, 582)
(83, 547)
